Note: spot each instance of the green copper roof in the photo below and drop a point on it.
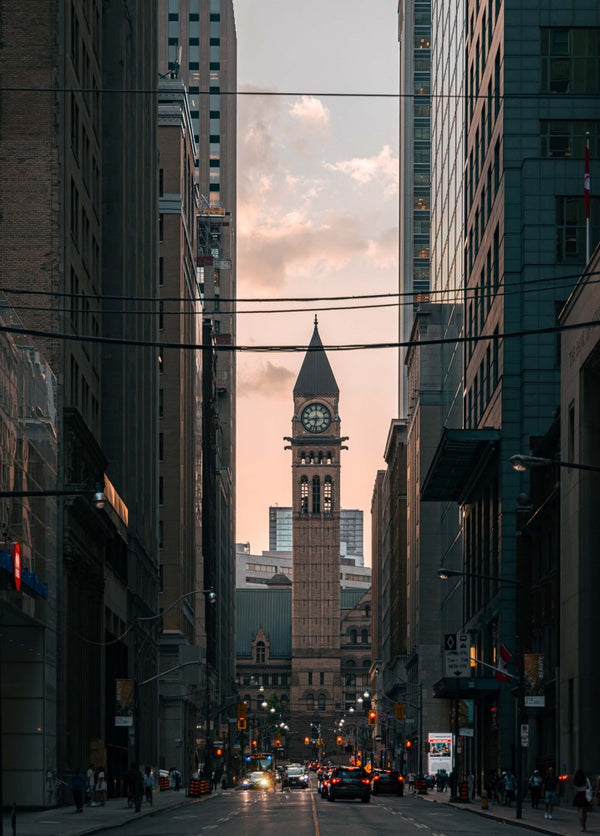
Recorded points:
(270, 609)
(316, 376)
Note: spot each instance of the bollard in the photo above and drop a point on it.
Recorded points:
(484, 800)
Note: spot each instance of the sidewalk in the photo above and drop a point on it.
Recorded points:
(564, 820)
(64, 821)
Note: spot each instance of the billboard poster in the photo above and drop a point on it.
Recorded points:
(533, 670)
(124, 702)
(440, 752)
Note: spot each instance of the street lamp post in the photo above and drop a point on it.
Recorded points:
(521, 463)
(519, 690)
(211, 597)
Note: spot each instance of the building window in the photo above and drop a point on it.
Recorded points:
(260, 653)
(567, 137)
(310, 702)
(322, 678)
(304, 495)
(570, 60)
(310, 678)
(316, 495)
(322, 702)
(364, 636)
(161, 403)
(353, 637)
(571, 227)
(327, 496)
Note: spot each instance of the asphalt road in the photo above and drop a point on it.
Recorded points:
(304, 813)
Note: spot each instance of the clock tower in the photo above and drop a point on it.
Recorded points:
(316, 444)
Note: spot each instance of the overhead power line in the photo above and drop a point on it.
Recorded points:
(285, 349)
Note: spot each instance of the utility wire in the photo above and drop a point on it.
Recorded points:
(284, 349)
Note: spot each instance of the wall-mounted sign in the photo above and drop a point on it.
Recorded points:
(15, 551)
(22, 579)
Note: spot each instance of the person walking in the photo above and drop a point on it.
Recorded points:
(90, 783)
(149, 785)
(583, 796)
(550, 792)
(509, 788)
(100, 788)
(77, 783)
(535, 788)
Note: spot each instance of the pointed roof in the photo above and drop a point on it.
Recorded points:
(316, 376)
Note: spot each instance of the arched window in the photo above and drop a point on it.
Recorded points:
(329, 457)
(302, 457)
(310, 702)
(353, 636)
(351, 679)
(316, 495)
(304, 495)
(260, 652)
(364, 636)
(328, 496)
(322, 702)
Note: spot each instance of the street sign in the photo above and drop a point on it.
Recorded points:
(456, 654)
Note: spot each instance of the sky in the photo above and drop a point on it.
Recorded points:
(317, 217)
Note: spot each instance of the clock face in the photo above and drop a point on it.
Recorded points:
(316, 418)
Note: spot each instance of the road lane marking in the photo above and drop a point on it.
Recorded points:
(314, 814)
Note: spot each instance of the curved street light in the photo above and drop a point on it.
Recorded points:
(444, 574)
(521, 463)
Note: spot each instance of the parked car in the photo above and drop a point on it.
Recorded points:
(295, 776)
(349, 782)
(258, 781)
(387, 781)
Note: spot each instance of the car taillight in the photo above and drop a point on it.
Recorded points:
(377, 778)
(400, 778)
(364, 781)
(336, 780)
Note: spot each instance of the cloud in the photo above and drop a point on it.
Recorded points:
(311, 111)
(367, 169)
(269, 380)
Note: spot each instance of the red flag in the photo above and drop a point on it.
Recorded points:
(586, 180)
(505, 657)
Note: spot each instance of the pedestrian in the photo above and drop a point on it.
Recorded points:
(149, 784)
(77, 783)
(550, 792)
(224, 778)
(90, 783)
(51, 787)
(583, 796)
(100, 788)
(509, 788)
(471, 783)
(213, 780)
(177, 779)
(411, 781)
(535, 787)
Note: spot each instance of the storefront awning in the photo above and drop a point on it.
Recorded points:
(466, 687)
(459, 459)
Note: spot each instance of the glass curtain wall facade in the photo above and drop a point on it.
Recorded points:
(414, 18)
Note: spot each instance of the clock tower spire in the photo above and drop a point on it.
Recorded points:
(316, 444)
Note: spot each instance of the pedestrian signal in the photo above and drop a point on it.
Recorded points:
(372, 717)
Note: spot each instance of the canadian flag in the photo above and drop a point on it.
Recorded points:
(504, 658)
(586, 179)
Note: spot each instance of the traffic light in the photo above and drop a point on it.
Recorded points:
(408, 744)
(306, 741)
(399, 712)
(241, 716)
(372, 720)
(339, 740)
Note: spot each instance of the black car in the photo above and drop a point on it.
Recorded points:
(388, 781)
(295, 776)
(349, 782)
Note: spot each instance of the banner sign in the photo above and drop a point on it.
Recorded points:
(533, 670)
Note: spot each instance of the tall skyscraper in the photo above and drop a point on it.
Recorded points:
(531, 98)
(197, 44)
(414, 33)
(80, 169)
